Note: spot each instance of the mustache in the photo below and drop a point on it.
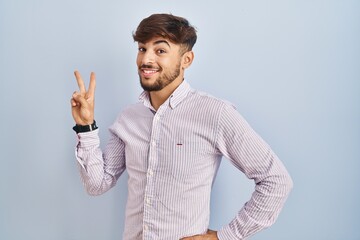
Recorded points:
(149, 66)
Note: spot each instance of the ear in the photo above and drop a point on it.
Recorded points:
(187, 59)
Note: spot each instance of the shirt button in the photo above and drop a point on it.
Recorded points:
(148, 201)
(150, 172)
(146, 227)
(154, 143)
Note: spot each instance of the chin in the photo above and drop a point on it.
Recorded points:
(149, 86)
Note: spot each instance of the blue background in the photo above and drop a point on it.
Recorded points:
(291, 68)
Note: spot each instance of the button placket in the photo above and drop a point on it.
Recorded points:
(152, 163)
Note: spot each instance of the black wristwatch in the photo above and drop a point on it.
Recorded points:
(85, 128)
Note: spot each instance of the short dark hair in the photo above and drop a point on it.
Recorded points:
(177, 29)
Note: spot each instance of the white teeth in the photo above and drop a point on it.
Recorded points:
(149, 71)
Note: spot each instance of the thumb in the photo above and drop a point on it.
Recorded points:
(80, 99)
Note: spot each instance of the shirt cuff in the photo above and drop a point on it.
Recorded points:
(88, 139)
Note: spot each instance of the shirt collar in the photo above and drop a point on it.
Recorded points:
(175, 98)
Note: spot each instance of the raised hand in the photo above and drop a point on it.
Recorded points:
(82, 103)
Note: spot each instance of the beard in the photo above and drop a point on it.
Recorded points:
(162, 81)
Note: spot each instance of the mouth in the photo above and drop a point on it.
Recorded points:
(148, 72)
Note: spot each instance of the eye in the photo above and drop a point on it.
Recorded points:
(161, 51)
(141, 49)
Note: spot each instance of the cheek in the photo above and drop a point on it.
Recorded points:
(168, 63)
(138, 61)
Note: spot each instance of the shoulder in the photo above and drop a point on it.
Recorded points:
(207, 99)
(133, 111)
(222, 110)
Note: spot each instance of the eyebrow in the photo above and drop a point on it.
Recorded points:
(162, 41)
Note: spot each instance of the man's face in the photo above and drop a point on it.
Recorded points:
(159, 63)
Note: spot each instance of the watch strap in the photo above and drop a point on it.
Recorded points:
(85, 128)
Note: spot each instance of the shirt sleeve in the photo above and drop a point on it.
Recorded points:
(248, 152)
(99, 171)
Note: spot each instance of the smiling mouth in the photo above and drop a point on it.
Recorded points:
(146, 72)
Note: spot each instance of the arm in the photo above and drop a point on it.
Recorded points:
(99, 171)
(250, 154)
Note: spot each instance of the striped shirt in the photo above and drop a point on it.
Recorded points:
(172, 156)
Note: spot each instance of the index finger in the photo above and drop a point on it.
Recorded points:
(92, 84)
(80, 82)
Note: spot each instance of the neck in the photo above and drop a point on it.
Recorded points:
(157, 98)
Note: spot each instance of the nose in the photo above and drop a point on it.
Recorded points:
(148, 57)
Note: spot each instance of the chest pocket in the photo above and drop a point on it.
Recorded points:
(183, 161)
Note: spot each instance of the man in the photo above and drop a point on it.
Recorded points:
(171, 144)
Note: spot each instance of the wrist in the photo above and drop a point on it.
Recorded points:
(85, 128)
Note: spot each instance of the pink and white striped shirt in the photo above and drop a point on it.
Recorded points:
(172, 156)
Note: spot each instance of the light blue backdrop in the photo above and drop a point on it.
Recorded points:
(292, 68)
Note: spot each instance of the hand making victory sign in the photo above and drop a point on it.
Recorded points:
(82, 103)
